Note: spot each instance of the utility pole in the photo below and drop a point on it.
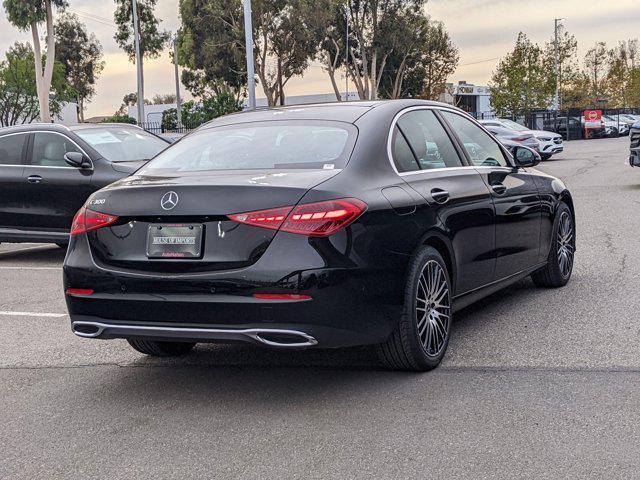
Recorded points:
(346, 55)
(136, 35)
(556, 99)
(248, 39)
(175, 62)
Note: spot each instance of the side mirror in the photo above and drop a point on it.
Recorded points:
(525, 156)
(77, 160)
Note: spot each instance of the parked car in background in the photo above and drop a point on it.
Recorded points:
(48, 171)
(523, 138)
(619, 124)
(550, 142)
(634, 135)
(608, 129)
(629, 118)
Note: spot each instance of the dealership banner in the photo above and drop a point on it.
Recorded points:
(592, 119)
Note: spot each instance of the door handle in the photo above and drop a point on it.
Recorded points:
(34, 179)
(440, 196)
(498, 188)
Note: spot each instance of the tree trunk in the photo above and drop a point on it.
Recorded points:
(37, 55)
(373, 94)
(51, 58)
(80, 109)
(280, 84)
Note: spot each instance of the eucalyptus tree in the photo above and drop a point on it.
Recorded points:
(29, 15)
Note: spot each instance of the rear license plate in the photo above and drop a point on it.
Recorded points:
(174, 241)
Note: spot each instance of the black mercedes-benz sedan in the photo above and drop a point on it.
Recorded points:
(316, 226)
(47, 172)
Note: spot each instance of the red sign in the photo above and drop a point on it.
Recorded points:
(593, 119)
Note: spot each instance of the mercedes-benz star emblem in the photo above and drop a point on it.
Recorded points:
(169, 200)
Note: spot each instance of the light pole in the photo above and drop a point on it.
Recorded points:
(175, 62)
(346, 55)
(248, 38)
(556, 99)
(136, 35)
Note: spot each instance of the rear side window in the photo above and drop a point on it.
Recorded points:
(483, 150)
(11, 148)
(49, 149)
(428, 141)
(260, 146)
(403, 157)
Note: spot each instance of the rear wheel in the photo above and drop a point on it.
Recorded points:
(161, 349)
(421, 337)
(563, 246)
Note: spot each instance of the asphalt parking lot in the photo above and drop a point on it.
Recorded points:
(536, 383)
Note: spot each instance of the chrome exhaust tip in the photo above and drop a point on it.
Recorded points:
(282, 338)
(88, 329)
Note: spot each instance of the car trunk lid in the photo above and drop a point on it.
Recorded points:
(193, 209)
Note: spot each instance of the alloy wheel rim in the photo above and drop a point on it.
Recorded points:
(565, 244)
(433, 308)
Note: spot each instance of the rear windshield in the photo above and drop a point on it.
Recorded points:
(123, 144)
(260, 146)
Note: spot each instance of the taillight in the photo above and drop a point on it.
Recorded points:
(87, 220)
(265, 218)
(79, 291)
(281, 296)
(319, 219)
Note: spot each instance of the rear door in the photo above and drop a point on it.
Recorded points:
(55, 190)
(427, 159)
(13, 148)
(515, 195)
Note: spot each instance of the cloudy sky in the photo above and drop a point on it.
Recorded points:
(484, 30)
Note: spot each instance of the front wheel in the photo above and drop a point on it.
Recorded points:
(161, 349)
(421, 337)
(563, 246)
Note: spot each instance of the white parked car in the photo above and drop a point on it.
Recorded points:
(550, 142)
(620, 123)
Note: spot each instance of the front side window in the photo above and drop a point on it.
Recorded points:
(427, 140)
(259, 146)
(122, 144)
(482, 149)
(49, 149)
(11, 148)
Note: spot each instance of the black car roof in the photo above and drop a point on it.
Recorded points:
(58, 127)
(338, 111)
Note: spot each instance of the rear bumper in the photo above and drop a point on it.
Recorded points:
(351, 303)
(273, 337)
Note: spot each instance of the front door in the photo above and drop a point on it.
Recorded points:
(515, 196)
(56, 191)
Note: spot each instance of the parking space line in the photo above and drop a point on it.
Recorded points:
(33, 314)
(38, 247)
(30, 268)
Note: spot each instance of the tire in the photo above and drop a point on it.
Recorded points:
(545, 156)
(419, 344)
(557, 272)
(161, 349)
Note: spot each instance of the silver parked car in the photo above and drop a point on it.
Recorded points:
(550, 142)
(523, 138)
